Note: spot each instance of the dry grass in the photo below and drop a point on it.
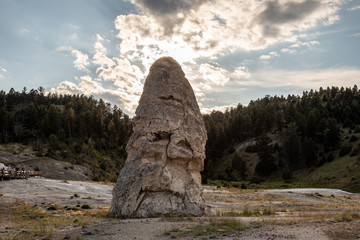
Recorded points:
(213, 228)
(34, 222)
(344, 231)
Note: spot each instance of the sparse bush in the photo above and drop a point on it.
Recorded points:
(85, 206)
(344, 150)
(267, 211)
(52, 207)
(255, 180)
(247, 212)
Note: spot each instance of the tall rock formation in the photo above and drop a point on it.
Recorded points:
(166, 151)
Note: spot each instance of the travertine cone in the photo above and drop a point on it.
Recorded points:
(166, 151)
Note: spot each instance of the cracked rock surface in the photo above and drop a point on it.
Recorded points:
(166, 151)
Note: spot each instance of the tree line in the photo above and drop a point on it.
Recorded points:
(82, 130)
(308, 128)
(74, 128)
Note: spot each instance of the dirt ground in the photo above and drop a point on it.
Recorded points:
(40, 208)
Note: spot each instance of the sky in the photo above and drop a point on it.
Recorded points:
(232, 51)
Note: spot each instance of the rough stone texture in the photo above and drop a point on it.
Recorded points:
(166, 151)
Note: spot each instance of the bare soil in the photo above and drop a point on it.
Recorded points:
(267, 214)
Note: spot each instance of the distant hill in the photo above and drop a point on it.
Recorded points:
(311, 140)
(308, 140)
(73, 128)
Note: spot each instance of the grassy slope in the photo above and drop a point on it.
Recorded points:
(341, 173)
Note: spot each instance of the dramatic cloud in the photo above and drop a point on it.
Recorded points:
(216, 28)
(276, 14)
(169, 13)
(198, 34)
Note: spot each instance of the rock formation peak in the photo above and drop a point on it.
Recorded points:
(166, 151)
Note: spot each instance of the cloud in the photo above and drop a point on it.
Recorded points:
(271, 55)
(306, 44)
(278, 82)
(205, 110)
(81, 61)
(241, 72)
(125, 85)
(276, 14)
(265, 57)
(289, 51)
(354, 8)
(219, 27)
(64, 49)
(293, 48)
(86, 85)
(169, 13)
(3, 69)
(23, 31)
(197, 34)
(306, 79)
(73, 36)
(216, 75)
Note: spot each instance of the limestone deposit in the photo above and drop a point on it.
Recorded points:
(166, 151)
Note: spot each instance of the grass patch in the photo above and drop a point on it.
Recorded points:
(36, 223)
(347, 217)
(213, 228)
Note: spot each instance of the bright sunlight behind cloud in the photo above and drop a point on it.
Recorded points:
(199, 35)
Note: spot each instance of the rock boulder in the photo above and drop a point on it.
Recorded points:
(166, 151)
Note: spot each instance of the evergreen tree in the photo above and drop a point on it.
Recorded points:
(264, 150)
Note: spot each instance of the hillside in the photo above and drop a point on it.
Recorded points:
(76, 129)
(308, 140)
